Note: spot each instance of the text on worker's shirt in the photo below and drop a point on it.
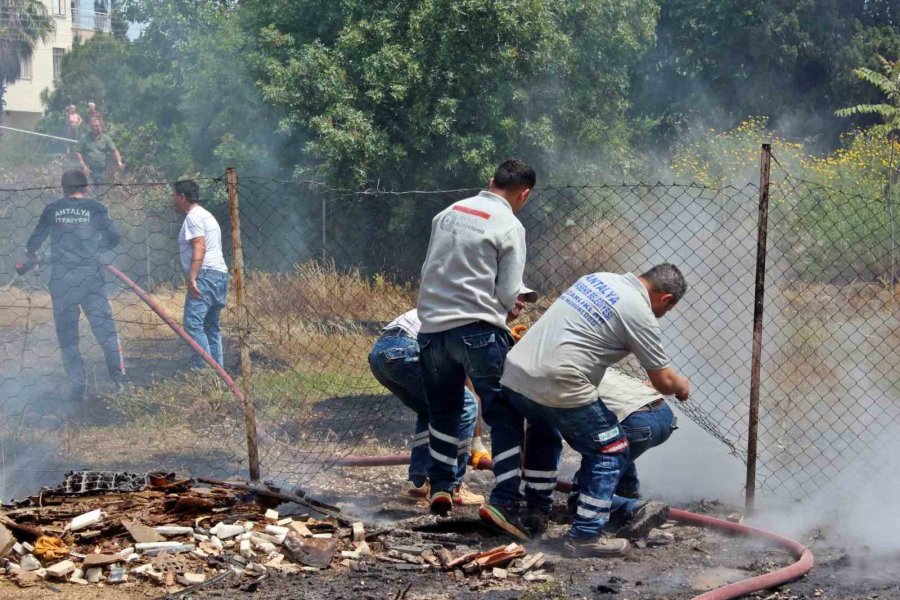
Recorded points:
(593, 299)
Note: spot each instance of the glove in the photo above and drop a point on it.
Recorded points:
(479, 453)
(50, 548)
(518, 331)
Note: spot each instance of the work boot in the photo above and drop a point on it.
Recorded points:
(463, 496)
(536, 521)
(418, 492)
(647, 515)
(441, 503)
(505, 519)
(595, 547)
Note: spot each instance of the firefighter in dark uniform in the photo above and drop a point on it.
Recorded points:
(80, 231)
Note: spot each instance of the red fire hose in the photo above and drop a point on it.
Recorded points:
(784, 575)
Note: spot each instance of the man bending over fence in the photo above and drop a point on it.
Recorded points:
(551, 378)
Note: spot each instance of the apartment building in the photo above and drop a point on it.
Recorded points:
(80, 19)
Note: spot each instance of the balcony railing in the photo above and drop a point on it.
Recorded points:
(89, 20)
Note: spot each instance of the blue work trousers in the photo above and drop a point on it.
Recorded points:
(479, 351)
(395, 363)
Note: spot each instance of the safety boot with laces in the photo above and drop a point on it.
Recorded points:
(647, 515)
(463, 496)
(601, 547)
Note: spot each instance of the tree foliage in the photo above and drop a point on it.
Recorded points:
(888, 83)
(434, 92)
(23, 23)
(722, 60)
(180, 98)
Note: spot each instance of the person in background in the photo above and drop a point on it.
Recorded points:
(551, 378)
(95, 148)
(80, 232)
(92, 112)
(206, 274)
(470, 285)
(73, 122)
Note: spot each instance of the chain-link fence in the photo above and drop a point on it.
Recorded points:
(325, 269)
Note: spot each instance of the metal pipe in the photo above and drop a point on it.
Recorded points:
(53, 137)
(765, 165)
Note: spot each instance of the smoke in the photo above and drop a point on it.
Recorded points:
(857, 510)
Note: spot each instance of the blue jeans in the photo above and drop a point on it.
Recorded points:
(645, 430)
(201, 315)
(479, 351)
(394, 361)
(594, 432)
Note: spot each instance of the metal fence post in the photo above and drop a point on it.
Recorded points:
(765, 165)
(243, 321)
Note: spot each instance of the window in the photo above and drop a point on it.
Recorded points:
(57, 62)
(27, 71)
(59, 7)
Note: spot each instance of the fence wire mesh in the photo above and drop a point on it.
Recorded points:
(326, 269)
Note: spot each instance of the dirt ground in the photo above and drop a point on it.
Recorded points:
(696, 561)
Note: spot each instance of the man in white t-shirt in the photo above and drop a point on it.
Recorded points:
(206, 274)
(551, 378)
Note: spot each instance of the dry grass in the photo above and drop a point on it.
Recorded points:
(322, 292)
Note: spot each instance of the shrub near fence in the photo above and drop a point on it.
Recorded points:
(325, 269)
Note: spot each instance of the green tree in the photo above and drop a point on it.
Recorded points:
(434, 92)
(722, 60)
(180, 99)
(23, 23)
(888, 83)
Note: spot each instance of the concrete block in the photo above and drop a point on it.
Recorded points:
(29, 563)
(86, 520)
(359, 531)
(61, 569)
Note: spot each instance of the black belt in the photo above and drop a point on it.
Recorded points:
(397, 332)
(652, 406)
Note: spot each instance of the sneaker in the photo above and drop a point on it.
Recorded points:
(647, 515)
(595, 548)
(441, 503)
(463, 496)
(418, 492)
(536, 521)
(504, 519)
